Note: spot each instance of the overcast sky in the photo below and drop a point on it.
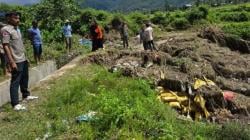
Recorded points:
(22, 2)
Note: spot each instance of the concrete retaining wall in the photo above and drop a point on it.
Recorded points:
(35, 75)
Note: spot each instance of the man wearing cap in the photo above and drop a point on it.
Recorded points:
(67, 35)
(36, 40)
(14, 49)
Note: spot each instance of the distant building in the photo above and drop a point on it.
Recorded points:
(187, 6)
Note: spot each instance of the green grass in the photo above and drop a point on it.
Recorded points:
(233, 19)
(126, 108)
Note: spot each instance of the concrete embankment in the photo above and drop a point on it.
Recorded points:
(36, 74)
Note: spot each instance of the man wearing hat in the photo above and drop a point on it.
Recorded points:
(36, 40)
(67, 35)
(14, 49)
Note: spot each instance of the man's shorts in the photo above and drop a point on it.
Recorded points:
(68, 41)
(37, 48)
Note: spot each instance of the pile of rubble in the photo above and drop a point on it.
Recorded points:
(205, 100)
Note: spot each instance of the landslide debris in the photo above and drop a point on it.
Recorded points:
(180, 61)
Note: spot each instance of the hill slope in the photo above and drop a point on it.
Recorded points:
(130, 5)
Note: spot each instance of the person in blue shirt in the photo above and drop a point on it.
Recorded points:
(36, 40)
(67, 35)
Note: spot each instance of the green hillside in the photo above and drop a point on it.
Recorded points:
(130, 5)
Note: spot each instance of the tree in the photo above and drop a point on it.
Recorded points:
(52, 12)
(167, 5)
(197, 2)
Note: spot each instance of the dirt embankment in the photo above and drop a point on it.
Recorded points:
(217, 36)
(179, 61)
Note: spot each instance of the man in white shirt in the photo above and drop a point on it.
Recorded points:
(150, 40)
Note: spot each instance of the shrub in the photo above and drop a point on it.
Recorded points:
(87, 16)
(234, 16)
(160, 18)
(180, 23)
(242, 8)
(241, 30)
(84, 29)
(116, 21)
(102, 16)
(138, 17)
(177, 14)
(233, 131)
(204, 10)
(53, 35)
(197, 14)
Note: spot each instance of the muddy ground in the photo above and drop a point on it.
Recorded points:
(182, 57)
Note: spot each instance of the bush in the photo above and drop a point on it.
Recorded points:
(233, 132)
(180, 23)
(117, 21)
(197, 14)
(242, 8)
(204, 10)
(84, 29)
(160, 18)
(53, 35)
(177, 14)
(241, 30)
(87, 16)
(102, 16)
(138, 18)
(234, 16)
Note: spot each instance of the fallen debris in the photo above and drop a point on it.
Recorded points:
(86, 117)
(192, 76)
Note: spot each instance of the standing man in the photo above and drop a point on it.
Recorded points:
(124, 34)
(96, 36)
(150, 40)
(143, 38)
(36, 40)
(14, 49)
(67, 35)
(3, 56)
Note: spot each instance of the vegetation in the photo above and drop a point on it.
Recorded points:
(126, 108)
(53, 14)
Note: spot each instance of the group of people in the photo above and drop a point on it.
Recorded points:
(14, 60)
(146, 37)
(95, 34)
